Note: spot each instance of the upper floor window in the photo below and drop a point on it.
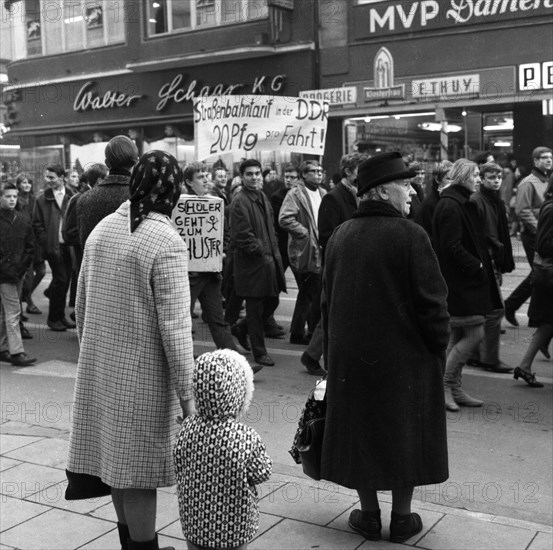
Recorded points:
(69, 25)
(166, 16)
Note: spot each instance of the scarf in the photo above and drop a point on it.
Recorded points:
(503, 233)
(155, 186)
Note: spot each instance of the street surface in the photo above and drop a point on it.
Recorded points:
(500, 455)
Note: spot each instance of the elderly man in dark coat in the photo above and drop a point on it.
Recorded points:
(386, 330)
(258, 273)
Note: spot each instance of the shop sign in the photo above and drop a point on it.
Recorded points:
(535, 76)
(384, 79)
(450, 87)
(234, 124)
(334, 96)
(376, 17)
(178, 91)
(199, 221)
(89, 98)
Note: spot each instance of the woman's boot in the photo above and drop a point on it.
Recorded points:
(124, 535)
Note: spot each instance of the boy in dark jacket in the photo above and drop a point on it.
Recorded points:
(16, 254)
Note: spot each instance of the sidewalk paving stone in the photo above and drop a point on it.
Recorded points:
(27, 479)
(16, 511)
(298, 535)
(542, 541)
(467, 533)
(7, 463)
(11, 442)
(56, 529)
(46, 452)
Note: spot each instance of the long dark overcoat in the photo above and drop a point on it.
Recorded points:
(258, 271)
(386, 331)
(459, 240)
(541, 304)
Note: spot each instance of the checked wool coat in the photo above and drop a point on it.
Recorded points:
(386, 330)
(133, 319)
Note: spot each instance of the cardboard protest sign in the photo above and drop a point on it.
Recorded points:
(235, 123)
(200, 222)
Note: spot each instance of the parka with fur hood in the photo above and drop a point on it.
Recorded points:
(219, 460)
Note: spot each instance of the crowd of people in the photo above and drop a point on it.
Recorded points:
(398, 290)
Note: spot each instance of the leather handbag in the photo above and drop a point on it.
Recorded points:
(310, 447)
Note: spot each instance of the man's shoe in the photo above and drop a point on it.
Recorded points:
(404, 527)
(257, 368)
(58, 326)
(510, 315)
(312, 365)
(5, 357)
(462, 398)
(275, 332)
(241, 335)
(265, 360)
(545, 351)
(68, 323)
(22, 360)
(300, 339)
(367, 524)
(25, 334)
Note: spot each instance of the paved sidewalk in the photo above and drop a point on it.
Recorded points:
(296, 512)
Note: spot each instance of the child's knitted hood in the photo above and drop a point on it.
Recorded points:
(223, 384)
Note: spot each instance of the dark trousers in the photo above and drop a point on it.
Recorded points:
(207, 288)
(61, 268)
(524, 290)
(258, 311)
(307, 309)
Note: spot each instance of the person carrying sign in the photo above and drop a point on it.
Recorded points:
(206, 286)
(258, 273)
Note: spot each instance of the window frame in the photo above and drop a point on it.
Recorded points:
(194, 14)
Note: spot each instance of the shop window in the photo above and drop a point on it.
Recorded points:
(417, 135)
(498, 133)
(72, 25)
(166, 16)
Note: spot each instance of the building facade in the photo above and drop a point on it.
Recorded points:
(438, 79)
(86, 71)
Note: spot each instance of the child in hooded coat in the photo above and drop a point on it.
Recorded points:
(219, 460)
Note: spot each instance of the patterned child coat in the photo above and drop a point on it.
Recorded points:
(219, 460)
(136, 353)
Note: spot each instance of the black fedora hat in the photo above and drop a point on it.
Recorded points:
(381, 169)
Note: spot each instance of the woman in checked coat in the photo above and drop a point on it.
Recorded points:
(136, 360)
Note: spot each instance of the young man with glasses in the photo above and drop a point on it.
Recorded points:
(298, 216)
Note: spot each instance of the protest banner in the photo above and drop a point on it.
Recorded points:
(235, 123)
(199, 221)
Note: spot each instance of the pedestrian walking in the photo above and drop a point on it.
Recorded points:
(493, 217)
(467, 269)
(35, 273)
(206, 286)
(16, 254)
(136, 353)
(529, 199)
(337, 206)
(105, 198)
(48, 213)
(386, 330)
(218, 459)
(540, 311)
(298, 217)
(258, 273)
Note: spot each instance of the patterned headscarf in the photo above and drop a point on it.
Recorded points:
(155, 186)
